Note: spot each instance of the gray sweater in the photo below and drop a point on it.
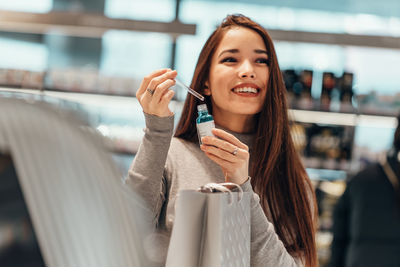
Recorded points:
(165, 165)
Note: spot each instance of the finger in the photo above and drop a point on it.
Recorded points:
(220, 153)
(145, 98)
(221, 162)
(147, 79)
(165, 101)
(151, 100)
(161, 89)
(161, 78)
(217, 142)
(229, 138)
(155, 104)
(167, 97)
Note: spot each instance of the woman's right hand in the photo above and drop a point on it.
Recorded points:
(154, 94)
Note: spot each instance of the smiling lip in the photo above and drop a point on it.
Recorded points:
(246, 90)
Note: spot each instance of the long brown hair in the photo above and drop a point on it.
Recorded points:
(278, 175)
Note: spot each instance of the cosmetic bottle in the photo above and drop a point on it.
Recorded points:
(204, 122)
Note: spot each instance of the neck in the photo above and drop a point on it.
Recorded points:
(236, 123)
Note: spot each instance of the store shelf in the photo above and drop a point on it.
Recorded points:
(84, 24)
(325, 174)
(346, 119)
(94, 26)
(322, 117)
(377, 121)
(336, 39)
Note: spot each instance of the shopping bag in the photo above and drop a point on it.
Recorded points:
(211, 228)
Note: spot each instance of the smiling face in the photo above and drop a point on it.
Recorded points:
(238, 75)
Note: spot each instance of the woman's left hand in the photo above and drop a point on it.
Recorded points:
(229, 153)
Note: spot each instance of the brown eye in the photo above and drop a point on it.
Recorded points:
(263, 61)
(228, 59)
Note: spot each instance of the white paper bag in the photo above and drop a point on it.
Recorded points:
(210, 229)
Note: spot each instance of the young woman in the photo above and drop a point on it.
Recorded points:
(239, 75)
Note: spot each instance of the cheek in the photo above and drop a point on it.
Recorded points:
(220, 75)
(219, 85)
(266, 83)
(265, 76)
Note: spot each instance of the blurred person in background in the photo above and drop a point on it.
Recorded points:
(18, 244)
(238, 73)
(366, 229)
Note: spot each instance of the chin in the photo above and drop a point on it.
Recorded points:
(248, 112)
(246, 109)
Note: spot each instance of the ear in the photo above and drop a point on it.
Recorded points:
(207, 90)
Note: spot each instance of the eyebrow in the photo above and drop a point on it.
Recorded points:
(257, 51)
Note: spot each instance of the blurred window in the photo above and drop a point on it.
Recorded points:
(38, 6)
(157, 10)
(17, 54)
(134, 54)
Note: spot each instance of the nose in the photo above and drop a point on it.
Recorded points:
(246, 70)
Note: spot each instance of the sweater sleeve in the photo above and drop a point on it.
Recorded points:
(146, 174)
(266, 247)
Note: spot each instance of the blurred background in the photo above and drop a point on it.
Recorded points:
(340, 61)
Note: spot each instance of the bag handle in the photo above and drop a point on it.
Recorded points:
(222, 187)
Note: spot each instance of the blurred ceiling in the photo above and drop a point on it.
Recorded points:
(385, 8)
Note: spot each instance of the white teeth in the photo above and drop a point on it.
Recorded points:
(245, 90)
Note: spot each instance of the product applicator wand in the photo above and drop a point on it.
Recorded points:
(190, 90)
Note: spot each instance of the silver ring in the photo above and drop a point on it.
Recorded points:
(235, 151)
(151, 91)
